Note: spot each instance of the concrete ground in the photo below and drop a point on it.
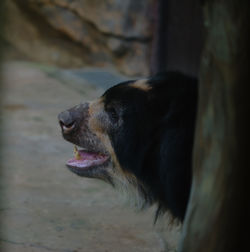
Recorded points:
(44, 207)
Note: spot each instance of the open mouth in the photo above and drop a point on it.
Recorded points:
(85, 162)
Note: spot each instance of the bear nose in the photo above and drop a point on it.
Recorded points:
(66, 121)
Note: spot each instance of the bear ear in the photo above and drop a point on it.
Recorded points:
(172, 93)
(171, 78)
(173, 85)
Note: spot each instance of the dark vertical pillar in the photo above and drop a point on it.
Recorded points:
(177, 39)
(218, 213)
(159, 45)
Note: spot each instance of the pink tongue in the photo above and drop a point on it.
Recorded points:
(87, 159)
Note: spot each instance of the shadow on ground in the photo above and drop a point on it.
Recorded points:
(44, 206)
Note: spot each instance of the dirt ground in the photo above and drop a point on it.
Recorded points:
(44, 207)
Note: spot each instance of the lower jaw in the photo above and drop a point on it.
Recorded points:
(98, 171)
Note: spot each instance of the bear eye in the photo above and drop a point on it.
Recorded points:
(113, 114)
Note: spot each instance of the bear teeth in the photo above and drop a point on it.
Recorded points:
(76, 153)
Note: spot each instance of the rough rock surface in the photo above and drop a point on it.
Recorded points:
(73, 33)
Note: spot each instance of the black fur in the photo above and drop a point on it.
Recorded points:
(152, 132)
(156, 139)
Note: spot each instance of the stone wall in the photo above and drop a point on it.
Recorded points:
(77, 33)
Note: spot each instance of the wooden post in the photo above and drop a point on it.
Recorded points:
(218, 213)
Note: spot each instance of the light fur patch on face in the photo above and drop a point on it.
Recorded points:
(141, 84)
(96, 113)
(125, 182)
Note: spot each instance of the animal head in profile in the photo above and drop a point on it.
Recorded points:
(138, 136)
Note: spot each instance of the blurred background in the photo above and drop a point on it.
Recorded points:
(58, 53)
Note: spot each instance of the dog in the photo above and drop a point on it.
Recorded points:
(138, 136)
